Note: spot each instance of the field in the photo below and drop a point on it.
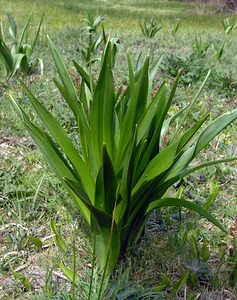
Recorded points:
(180, 255)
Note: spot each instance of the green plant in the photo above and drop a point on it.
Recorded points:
(200, 46)
(115, 44)
(219, 50)
(175, 28)
(92, 23)
(121, 170)
(228, 25)
(93, 40)
(150, 28)
(17, 55)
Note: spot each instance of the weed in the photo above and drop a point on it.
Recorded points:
(150, 28)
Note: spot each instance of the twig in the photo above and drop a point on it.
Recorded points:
(57, 274)
(5, 226)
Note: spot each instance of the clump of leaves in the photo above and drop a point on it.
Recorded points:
(176, 27)
(122, 168)
(93, 40)
(200, 46)
(219, 50)
(18, 54)
(229, 25)
(92, 23)
(150, 28)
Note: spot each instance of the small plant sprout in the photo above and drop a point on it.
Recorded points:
(219, 50)
(200, 46)
(175, 27)
(122, 168)
(229, 25)
(150, 28)
(92, 23)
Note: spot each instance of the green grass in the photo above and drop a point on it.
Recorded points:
(121, 15)
(163, 249)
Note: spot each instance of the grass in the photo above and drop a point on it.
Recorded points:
(122, 15)
(30, 195)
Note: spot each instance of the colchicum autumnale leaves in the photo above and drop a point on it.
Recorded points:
(122, 168)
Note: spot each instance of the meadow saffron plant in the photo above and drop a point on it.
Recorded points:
(127, 158)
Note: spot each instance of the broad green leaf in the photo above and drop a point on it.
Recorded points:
(153, 70)
(26, 49)
(102, 111)
(85, 76)
(69, 88)
(105, 194)
(53, 156)
(190, 106)
(167, 123)
(25, 281)
(131, 75)
(214, 129)
(73, 277)
(188, 204)
(1, 32)
(81, 120)
(25, 64)
(213, 193)
(126, 180)
(180, 164)
(58, 239)
(36, 241)
(60, 135)
(205, 252)
(162, 187)
(7, 57)
(194, 247)
(84, 97)
(163, 107)
(163, 285)
(140, 152)
(135, 110)
(160, 163)
(155, 107)
(37, 34)
(25, 28)
(178, 286)
(190, 133)
(17, 59)
(12, 26)
(107, 244)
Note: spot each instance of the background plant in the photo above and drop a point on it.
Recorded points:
(17, 54)
(150, 28)
(229, 25)
(93, 39)
(176, 27)
(200, 46)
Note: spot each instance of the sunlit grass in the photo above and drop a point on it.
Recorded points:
(119, 15)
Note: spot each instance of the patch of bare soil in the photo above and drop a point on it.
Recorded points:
(14, 146)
